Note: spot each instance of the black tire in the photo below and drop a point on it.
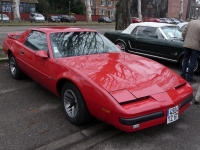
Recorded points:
(74, 105)
(14, 68)
(122, 45)
(197, 67)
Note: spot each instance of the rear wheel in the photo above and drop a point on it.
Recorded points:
(74, 105)
(122, 45)
(14, 68)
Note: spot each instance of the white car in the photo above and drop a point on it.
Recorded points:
(182, 25)
(35, 17)
(4, 18)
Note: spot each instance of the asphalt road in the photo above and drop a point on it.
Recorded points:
(32, 118)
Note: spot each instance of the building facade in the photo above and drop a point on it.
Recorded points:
(26, 6)
(174, 9)
(103, 8)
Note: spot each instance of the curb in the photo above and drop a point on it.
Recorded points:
(3, 59)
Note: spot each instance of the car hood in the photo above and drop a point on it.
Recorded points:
(117, 71)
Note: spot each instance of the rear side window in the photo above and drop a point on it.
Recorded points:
(36, 40)
(143, 31)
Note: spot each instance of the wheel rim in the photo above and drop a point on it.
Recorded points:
(12, 66)
(70, 103)
(123, 48)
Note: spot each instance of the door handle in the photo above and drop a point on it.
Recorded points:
(22, 52)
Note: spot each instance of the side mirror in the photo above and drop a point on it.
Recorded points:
(41, 53)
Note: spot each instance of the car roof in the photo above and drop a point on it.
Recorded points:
(148, 24)
(61, 29)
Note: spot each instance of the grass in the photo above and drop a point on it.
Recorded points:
(78, 23)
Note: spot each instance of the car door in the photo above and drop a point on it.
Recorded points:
(36, 67)
(148, 41)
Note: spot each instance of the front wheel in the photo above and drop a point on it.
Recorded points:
(196, 68)
(122, 45)
(14, 68)
(74, 105)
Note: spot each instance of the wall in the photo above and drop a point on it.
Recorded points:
(80, 17)
(25, 16)
(174, 9)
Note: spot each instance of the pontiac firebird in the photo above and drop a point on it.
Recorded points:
(93, 77)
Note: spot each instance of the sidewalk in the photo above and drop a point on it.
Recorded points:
(3, 56)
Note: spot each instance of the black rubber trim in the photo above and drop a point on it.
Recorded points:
(141, 119)
(186, 101)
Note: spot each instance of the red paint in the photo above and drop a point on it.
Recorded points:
(106, 80)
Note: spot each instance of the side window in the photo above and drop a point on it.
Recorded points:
(149, 32)
(159, 34)
(36, 40)
(139, 31)
(134, 32)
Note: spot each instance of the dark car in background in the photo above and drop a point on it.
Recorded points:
(67, 18)
(136, 20)
(53, 19)
(155, 40)
(174, 20)
(166, 20)
(104, 19)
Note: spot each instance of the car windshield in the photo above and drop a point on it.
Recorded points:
(54, 17)
(39, 15)
(68, 44)
(172, 32)
(106, 18)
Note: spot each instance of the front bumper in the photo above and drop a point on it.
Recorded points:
(152, 119)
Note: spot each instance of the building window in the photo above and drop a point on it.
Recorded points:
(111, 13)
(101, 12)
(109, 3)
(91, 2)
(102, 2)
(92, 11)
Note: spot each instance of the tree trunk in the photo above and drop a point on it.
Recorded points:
(88, 11)
(122, 16)
(139, 10)
(16, 11)
(181, 9)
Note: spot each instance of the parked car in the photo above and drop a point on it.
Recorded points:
(182, 25)
(166, 20)
(174, 20)
(149, 19)
(93, 77)
(35, 17)
(4, 18)
(155, 40)
(53, 19)
(104, 19)
(67, 18)
(136, 20)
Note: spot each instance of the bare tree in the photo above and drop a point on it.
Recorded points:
(181, 9)
(139, 9)
(122, 16)
(16, 11)
(88, 11)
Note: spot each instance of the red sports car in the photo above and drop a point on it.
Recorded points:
(93, 77)
(136, 20)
